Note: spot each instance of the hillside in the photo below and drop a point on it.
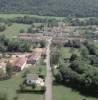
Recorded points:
(51, 7)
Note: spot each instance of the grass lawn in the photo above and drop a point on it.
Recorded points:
(66, 52)
(13, 30)
(11, 85)
(22, 15)
(64, 93)
(38, 68)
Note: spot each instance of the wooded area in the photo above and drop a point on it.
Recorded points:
(51, 7)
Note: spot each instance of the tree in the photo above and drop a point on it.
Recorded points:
(3, 96)
(22, 87)
(22, 31)
(2, 28)
(91, 48)
(42, 44)
(40, 70)
(29, 30)
(27, 71)
(9, 69)
(1, 72)
(59, 77)
(33, 25)
(34, 85)
(55, 54)
(43, 88)
(84, 52)
(94, 60)
(9, 24)
(73, 57)
(15, 98)
(41, 27)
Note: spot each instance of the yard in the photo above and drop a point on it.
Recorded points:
(11, 85)
(64, 93)
(14, 30)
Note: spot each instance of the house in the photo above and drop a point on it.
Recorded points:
(78, 38)
(34, 79)
(20, 63)
(32, 37)
(34, 57)
(3, 66)
(59, 39)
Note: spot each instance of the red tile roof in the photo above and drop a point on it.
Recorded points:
(20, 61)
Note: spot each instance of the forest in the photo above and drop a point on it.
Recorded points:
(79, 8)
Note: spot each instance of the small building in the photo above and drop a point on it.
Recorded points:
(20, 63)
(32, 37)
(3, 66)
(34, 57)
(34, 79)
(59, 40)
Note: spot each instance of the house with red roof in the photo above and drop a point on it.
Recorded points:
(20, 63)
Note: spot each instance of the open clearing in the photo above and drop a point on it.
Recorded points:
(66, 52)
(14, 30)
(64, 93)
(22, 15)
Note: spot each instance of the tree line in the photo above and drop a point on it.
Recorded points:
(51, 7)
(13, 45)
(28, 20)
(79, 71)
(84, 22)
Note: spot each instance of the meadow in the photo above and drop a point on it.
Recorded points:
(22, 15)
(61, 92)
(13, 31)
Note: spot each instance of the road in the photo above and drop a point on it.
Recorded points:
(48, 82)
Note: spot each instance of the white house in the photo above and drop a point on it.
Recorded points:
(34, 79)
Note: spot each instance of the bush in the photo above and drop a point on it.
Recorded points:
(2, 28)
(22, 87)
(3, 96)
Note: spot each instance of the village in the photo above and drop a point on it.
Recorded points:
(60, 35)
(35, 65)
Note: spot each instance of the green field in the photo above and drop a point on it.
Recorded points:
(64, 93)
(10, 86)
(13, 31)
(22, 15)
(66, 52)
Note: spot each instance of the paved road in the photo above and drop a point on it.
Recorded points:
(48, 94)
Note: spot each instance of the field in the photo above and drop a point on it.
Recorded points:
(22, 15)
(66, 52)
(13, 31)
(64, 93)
(11, 85)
